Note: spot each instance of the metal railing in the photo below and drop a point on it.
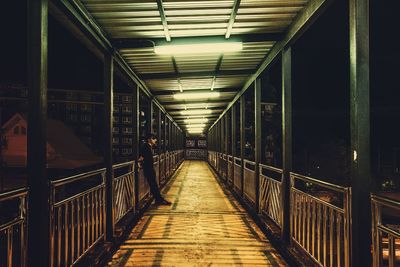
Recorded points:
(77, 219)
(143, 187)
(270, 192)
(167, 159)
(318, 227)
(230, 169)
(13, 208)
(124, 189)
(237, 179)
(249, 182)
(385, 235)
(224, 166)
(162, 168)
(156, 164)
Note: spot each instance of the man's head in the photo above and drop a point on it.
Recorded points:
(151, 139)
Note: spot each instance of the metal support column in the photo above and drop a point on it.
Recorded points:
(360, 134)
(151, 116)
(257, 141)
(159, 151)
(108, 133)
(233, 143)
(242, 137)
(287, 141)
(39, 189)
(136, 112)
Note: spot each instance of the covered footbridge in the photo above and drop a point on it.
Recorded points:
(269, 122)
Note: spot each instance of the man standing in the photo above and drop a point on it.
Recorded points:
(146, 157)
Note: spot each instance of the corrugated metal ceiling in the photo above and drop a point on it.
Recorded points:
(135, 27)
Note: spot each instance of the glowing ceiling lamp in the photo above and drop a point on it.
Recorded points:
(189, 96)
(196, 129)
(198, 48)
(195, 132)
(197, 125)
(200, 105)
(199, 120)
(196, 112)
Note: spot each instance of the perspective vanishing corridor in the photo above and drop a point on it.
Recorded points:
(204, 226)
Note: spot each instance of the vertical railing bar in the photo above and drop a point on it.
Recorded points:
(331, 222)
(66, 239)
(91, 196)
(314, 218)
(304, 213)
(59, 234)
(88, 236)
(338, 239)
(10, 231)
(319, 239)
(324, 234)
(294, 214)
(95, 204)
(84, 222)
(72, 232)
(308, 223)
(78, 225)
(392, 253)
(346, 224)
(22, 229)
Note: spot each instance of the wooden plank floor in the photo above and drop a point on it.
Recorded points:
(203, 227)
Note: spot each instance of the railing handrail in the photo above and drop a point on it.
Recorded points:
(341, 210)
(236, 158)
(14, 193)
(385, 201)
(249, 162)
(123, 164)
(270, 168)
(77, 177)
(331, 186)
(125, 174)
(388, 230)
(92, 189)
(11, 223)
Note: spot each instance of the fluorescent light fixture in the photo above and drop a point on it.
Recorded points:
(189, 96)
(196, 112)
(198, 125)
(199, 48)
(200, 105)
(195, 129)
(200, 120)
(194, 132)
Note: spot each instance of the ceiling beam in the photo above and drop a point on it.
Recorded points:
(172, 92)
(156, 76)
(163, 20)
(210, 101)
(149, 42)
(235, 8)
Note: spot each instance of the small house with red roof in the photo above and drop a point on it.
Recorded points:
(64, 149)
